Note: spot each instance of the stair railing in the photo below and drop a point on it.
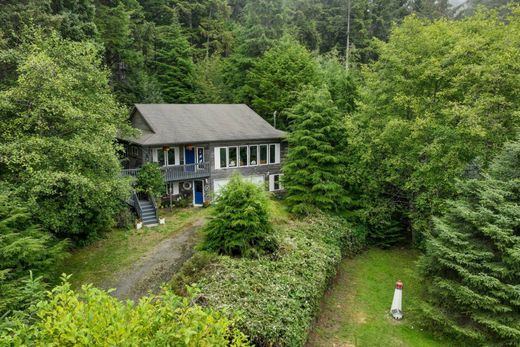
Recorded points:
(137, 204)
(154, 203)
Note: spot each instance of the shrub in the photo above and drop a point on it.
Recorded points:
(240, 225)
(278, 297)
(24, 247)
(91, 317)
(150, 180)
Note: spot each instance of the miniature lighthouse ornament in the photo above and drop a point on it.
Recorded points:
(396, 310)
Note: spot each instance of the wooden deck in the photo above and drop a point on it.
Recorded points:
(178, 172)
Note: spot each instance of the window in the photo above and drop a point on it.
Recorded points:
(243, 156)
(253, 154)
(223, 157)
(171, 156)
(161, 159)
(263, 154)
(275, 182)
(272, 154)
(232, 157)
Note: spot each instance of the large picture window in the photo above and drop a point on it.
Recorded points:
(272, 154)
(232, 160)
(263, 154)
(243, 156)
(253, 155)
(223, 157)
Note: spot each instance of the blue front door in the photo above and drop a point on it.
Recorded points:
(189, 156)
(198, 188)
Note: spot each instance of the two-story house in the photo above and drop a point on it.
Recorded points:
(199, 146)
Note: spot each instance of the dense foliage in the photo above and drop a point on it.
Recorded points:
(313, 168)
(57, 152)
(441, 99)
(275, 79)
(94, 318)
(240, 223)
(150, 180)
(472, 260)
(25, 251)
(279, 296)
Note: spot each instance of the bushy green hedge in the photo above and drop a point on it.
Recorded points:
(91, 317)
(278, 297)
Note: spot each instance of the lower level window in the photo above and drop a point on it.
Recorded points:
(275, 182)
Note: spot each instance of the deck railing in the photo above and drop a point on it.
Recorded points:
(178, 172)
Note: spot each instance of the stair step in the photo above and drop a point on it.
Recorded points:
(148, 208)
(151, 221)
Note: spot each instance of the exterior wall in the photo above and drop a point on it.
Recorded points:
(258, 170)
(145, 155)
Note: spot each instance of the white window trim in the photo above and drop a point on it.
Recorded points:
(271, 182)
(155, 156)
(248, 147)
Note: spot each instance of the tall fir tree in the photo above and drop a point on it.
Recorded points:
(472, 260)
(313, 168)
(173, 64)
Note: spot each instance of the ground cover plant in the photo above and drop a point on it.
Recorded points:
(276, 296)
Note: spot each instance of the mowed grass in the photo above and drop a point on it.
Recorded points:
(355, 311)
(121, 248)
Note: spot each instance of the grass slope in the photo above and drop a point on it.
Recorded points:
(355, 311)
(121, 248)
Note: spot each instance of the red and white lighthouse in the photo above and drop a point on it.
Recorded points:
(397, 304)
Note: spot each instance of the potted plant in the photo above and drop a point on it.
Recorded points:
(162, 221)
(138, 224)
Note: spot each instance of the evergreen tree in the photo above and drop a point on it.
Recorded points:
(276, 78)
(313, 168)
(24, 247)
(173, 64)
(240, 225)
(208, 25)
(472, 260)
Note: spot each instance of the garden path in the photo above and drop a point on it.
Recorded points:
(157, 266)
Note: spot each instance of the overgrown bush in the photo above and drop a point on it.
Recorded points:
(24, 247)
(91, 317)
(240, 225)
(278, 296)
(150, 180)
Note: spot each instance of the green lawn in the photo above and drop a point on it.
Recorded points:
(121, 248)
(355, 312)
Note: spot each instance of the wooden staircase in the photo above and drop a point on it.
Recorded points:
(146, 208)
(149, 213)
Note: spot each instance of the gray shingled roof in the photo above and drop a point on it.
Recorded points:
(179, 123)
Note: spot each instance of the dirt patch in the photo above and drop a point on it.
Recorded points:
(157, 266)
